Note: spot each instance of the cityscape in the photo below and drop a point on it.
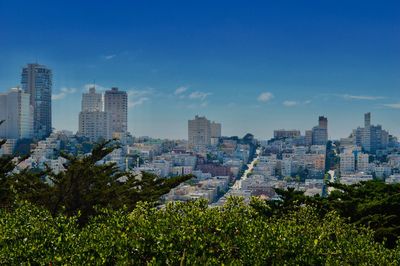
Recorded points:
(223, 165)
(199, 132)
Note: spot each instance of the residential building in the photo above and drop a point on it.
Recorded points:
(16, 111)
(362, 162)
(199, 133)
(94, 123)
(347, 163)
(116, 105)
(92, 101)
(282, 133)
(37, 81)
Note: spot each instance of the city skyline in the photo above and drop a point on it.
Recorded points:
(247, 67)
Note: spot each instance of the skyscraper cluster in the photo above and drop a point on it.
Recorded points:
(103, 119)
(371, 138)
(26, 111)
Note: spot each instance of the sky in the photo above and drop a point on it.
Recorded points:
(253, 66)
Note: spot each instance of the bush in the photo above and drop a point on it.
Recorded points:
(187, 233)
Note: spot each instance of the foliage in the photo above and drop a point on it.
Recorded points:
(373, 204)
(84, 186)
(187, 233)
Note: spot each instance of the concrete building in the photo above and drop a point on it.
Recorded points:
(282, 133)
(37, 81)
(347, 163)
(320, 132)
(16, 111)
(215, 132)
(94, 123)
(116, 105)
(371, 138)
(92, 101)
(308, 137)
(362, 162)
(199, 133)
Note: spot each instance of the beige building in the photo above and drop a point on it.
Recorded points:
(116, 104)
(199, 133)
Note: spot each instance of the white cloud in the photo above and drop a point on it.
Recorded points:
(137, 102)
(139, 97)
(180, 90)
(361, 97)
(393, 105)
(108, 57)
(199, 95)
(63, 93)
(290, 103)
(265, 97)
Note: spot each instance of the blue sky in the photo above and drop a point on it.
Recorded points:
(254, 66)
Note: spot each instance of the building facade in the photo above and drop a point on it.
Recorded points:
(37, 81)
(16, 111)
(94, 123)
(199, 133)
(320, 132)
(116, 105)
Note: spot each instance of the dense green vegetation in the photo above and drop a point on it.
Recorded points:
(187, 233)
(96, 214)
(373, 204)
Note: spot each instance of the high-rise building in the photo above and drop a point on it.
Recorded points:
(215, 130)
(37, 81)
(16, 112)
(367, 119)
(92, 101)
(371, 138)
(320, 132)
(323, 122)
(116, 105)
(94, 123)
(199, 133)
(308, 137)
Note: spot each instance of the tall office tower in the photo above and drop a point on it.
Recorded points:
(367, 119)
(116, 104)
(16, 112)
(94, 123)
(320, 132)
(323, 122)
(92, 101)
(37, 81)
(199, 133)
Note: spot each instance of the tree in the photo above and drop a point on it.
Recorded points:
(86, 185)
